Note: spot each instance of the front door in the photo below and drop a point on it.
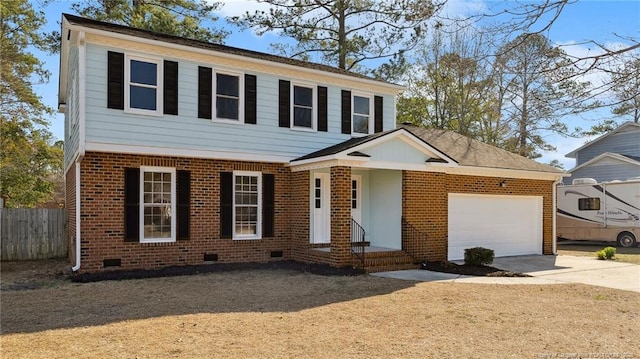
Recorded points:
(320, 202)
(356, 198)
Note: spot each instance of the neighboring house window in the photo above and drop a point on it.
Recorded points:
(303, 115)
(362, 116)
(228, 104)
(247, 205)
(589, 204)
(143, 87)
(158, 204)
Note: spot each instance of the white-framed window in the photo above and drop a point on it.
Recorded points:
(361, 114)
(228, 104)
(247, 205)
(303, 101)
(157, 204)
(143, 85)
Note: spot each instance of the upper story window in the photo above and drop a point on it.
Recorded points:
(361, 115)
(143, 87)
(303, 115)
(228, 99)
(227, 96)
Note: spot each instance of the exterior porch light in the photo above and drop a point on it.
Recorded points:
(503, 183)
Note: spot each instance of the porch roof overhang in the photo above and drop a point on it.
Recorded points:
(397, 149)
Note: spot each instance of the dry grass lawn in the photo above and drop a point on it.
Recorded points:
(589, 249)
(287, 314)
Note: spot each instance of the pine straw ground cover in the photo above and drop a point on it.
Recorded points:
(290, 314)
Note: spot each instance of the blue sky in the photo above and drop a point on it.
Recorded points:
(585, 20)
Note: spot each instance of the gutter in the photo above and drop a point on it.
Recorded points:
(554, 237)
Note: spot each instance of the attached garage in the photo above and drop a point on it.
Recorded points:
(510, 225)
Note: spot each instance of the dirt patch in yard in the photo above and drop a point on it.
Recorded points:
(288, 313)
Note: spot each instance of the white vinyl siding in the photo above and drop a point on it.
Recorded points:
(187, 131)
(72, 114)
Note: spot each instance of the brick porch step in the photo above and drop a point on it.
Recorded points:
(382, 261)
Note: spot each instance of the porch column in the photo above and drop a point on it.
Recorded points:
(341, 216)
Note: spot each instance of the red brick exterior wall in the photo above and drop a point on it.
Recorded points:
(425, 206)
(425, 203)
(70, 205)
(102, 204)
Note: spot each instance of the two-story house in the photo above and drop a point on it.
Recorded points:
(612, 156)
(181, 152)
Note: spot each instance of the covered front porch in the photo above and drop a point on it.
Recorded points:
(355, 202)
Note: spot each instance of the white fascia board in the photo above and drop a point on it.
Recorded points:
(184, 152)
(503, 172)
(394, 88)
(64, 66)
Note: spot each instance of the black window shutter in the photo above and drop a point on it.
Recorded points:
(322, 108)
(170, 93)
(346, 111)
(204, 92)
(284, 93)
(250, 100)
(377, 109)
(115, 76)
(226, 204)
(132, 204)
(268, 201)
(183, 205)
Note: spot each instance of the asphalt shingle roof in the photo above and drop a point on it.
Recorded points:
(469, 152)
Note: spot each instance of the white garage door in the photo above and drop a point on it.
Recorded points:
(510, 225)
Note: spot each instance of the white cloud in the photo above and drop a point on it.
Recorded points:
(232, 8)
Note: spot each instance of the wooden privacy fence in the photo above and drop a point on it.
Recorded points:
(32, 233)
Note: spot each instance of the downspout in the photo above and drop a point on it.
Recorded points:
(81, 140)
(554, 239)
(78, 236)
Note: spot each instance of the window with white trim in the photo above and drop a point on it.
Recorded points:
(247, 205)
(143, 85)
(229, 102)
(158, 204)
(303, 102)
(362, 116)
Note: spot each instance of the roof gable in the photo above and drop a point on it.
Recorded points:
(608, 158)
(625, 127)
(396, 148)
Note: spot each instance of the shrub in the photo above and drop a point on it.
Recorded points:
(601, 255)
(609, 252)
(478, 256)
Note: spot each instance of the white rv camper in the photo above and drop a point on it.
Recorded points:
(608, 211)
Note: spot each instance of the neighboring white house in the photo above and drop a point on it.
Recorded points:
(612, 156)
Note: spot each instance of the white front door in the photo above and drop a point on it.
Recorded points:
(320, 204)
(356, 198)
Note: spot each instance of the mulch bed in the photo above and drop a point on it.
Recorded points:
(465, 269)
(320, 269)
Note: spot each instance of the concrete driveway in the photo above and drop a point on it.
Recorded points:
(544, 270)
